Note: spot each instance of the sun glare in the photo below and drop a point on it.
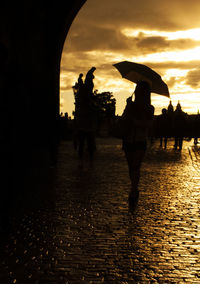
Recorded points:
(175, 56)
(193, 34)
(175, 73)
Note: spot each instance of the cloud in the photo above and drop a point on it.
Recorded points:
(107, 39)
(65, 87)
(80, 62)
(97, 38)
(154, 14)
(181, 44)
(193, 78)
(99, 25)
(171, 82)
(75, 61)
(152, 44)
(183, 65)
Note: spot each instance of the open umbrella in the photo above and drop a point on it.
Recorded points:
(135, 72)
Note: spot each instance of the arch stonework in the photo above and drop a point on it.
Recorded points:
(33, 32)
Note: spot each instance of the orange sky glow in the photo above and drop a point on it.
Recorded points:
(165, 35)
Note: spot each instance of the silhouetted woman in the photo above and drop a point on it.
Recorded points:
(139, 115)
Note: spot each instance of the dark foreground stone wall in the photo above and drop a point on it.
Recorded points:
(32, 34)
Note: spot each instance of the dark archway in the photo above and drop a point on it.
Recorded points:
(33, 33)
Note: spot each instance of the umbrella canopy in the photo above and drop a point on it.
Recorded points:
(135, 72)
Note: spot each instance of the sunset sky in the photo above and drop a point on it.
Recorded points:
(165, 35)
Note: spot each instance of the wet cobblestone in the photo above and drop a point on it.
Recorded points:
(91, 236)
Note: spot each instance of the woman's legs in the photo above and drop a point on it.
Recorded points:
(134, 159)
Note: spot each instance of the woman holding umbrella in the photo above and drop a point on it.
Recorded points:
(139, 117)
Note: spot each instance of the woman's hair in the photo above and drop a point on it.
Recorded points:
(143, 93)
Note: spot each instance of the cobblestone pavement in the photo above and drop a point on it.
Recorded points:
(91, 236)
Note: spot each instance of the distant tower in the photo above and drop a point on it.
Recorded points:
(170, 107)
(178, 106)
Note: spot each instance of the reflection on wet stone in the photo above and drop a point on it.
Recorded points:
(90, 236)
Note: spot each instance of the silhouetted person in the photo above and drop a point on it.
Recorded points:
(179, 126)
(139, 114)
(170, 114)
(163, 125)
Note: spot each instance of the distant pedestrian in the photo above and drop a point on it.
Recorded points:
(163, 127)
(170, 114)
(139, 115)
(179, 127)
